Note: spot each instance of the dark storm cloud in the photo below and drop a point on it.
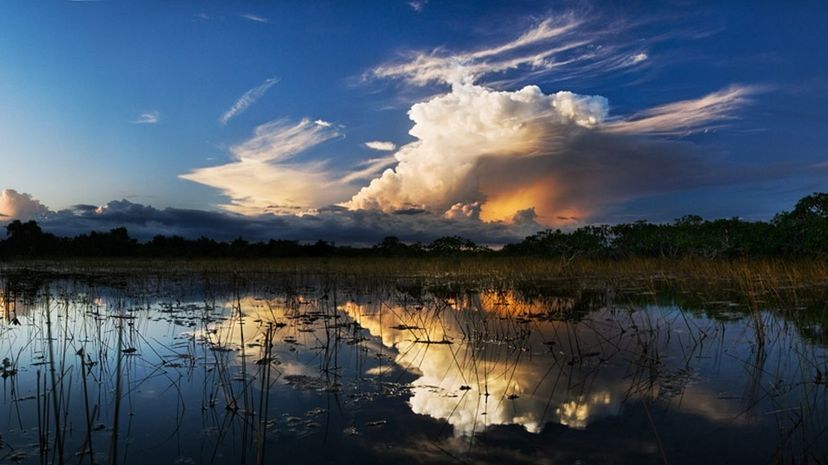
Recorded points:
(335, 224)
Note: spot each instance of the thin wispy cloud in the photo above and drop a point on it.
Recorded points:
(148, 117)
(566, 46)
(418, 5)
(686, 116)
(440, 66)
(255, 18)
(369, 169)
(381, 146)
(262, 179)
(639, 57)
(248, 98)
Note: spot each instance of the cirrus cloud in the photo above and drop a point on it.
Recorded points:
(247, 99)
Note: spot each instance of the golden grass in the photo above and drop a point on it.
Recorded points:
(751, 273)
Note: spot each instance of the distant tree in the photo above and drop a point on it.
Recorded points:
(452, 245)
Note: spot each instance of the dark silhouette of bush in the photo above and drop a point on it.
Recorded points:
(801, 232)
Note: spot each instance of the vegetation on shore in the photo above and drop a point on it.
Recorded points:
(802, 232)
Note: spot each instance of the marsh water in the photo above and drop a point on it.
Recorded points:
(313, 368)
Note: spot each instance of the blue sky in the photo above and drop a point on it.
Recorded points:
(106, 100)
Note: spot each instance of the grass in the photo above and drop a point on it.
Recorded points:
(751, 275)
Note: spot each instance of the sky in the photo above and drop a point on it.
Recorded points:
(349, 121)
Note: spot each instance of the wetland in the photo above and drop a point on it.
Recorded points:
(445, 362)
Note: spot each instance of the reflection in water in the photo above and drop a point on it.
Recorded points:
(222, 372)
(486, 360)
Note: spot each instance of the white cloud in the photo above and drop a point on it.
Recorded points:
(382, 146)
(248, 98)
(639, 57)
(15, 205)
(261, 178)
(685, 116)
(418, 5)
(552, 45)
(481, 152)
(463, 210)
(255, 18)
(369, 168)
(457, 130)
(148, 117)
(491, 155)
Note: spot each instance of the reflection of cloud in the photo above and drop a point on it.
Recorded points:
(476, 381)
(14, 205)
(500, 345)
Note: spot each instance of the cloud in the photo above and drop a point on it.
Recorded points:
(418, 5)
(490, 153)
(261, 178)
(457, 130)
(332, 223)
(15, 205)
(248, 98)
(639, 57)
(369, 168)
(553, 45)
(687, 115)
(255, 18)
(382, 146)
(148, 117)
(493, 155)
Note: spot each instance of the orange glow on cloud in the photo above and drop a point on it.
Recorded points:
(540, 195)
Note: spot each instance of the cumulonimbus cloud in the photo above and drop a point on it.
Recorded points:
(248, 98)
(491, 154)
(561, 154)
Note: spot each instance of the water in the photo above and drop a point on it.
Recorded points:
(320, 369)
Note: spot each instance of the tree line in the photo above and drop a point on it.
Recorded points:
(801, 232)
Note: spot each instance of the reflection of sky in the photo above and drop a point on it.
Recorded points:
(500, 376)
(508, 363)
(537, 369)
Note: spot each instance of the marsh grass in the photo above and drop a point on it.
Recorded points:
(579, 297)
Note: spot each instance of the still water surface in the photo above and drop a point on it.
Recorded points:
(311, 369)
